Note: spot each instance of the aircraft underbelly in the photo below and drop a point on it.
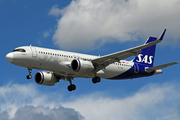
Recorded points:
(112, 71)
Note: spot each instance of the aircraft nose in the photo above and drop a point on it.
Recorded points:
(9, 57)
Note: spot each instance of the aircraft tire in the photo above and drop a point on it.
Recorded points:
(96, 79)
(29, 76)
(72, 87)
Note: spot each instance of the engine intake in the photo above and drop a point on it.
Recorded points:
(45, 78)
(76, 65)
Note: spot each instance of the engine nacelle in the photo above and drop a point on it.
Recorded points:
(45, 78)
(82, 66)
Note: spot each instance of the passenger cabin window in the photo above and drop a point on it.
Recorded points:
(19, 50)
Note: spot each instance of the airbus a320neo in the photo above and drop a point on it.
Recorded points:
(63, 65)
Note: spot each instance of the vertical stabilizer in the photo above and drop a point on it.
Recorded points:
(147, 55)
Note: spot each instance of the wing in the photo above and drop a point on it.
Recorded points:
(160, 66)
(102, 62)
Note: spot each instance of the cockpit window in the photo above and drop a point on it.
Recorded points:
(19, 50)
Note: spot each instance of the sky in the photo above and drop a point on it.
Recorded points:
(96, 27)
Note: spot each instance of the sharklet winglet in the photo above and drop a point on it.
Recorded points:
(162, 35)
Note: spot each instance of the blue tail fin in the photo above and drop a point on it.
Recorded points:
(146, 57)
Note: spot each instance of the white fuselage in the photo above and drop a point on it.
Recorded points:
(69, 65)
(60, 62)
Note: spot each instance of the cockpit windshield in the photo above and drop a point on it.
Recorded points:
(19, 50)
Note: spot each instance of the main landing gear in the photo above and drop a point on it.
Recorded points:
(71, 87)
(96, 79)
(30, 71)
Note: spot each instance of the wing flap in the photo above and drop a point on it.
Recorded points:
(160, 67)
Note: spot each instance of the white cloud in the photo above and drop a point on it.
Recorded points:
(42, 113)
(153, 101)
(84, 23)
(54, 11)
(46, 34)
(26, 102)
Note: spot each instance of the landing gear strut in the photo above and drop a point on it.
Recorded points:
(30, 71)
(71, 87)
(96, 79)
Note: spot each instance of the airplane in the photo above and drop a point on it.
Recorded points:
(62, 65)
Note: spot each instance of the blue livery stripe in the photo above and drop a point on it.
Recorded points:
(42, 78)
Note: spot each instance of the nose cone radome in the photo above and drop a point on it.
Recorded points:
(9, 57)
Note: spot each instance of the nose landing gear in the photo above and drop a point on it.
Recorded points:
(30, 71)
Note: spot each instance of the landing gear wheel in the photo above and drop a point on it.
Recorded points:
(30, 71)
(96, 79)
(72, 87)
(29, 76)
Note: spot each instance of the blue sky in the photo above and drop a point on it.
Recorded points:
(92, 27)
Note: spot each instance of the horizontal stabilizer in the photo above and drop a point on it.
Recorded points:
(160, 67)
